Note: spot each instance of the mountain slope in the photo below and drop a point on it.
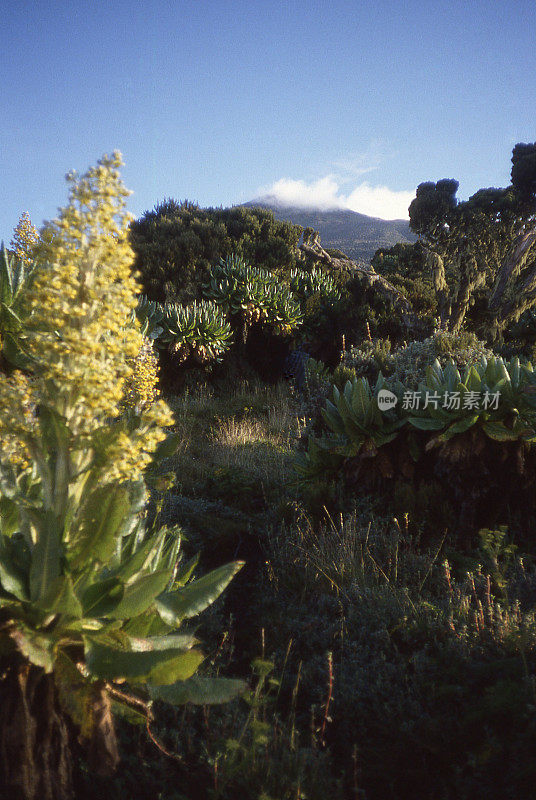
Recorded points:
(357, 235)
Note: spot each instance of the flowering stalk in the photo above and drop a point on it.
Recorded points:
(66, 420)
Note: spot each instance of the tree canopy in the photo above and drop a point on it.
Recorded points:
(481, 251)
(177, 243)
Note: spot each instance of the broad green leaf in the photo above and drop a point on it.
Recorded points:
(360, 399)
(177, 668)
(353, 426)
(333, 418)
(515, 371)
(382, 438)
(473, 381)
(462, 425)
(137, 494)
(199, 691)
(9, 516)
(100, 522)
(141, 593)
(11, 318)
(190, 600)
(38, 648)
(12, 578)
(499, 432)
(371, 414)
(137, 497)
(141, 558)
(452, 376)
(175, 641)
(89, 626)
(504, 387)
(185, 571)
(6, 273)
(426, 424)
(12, 347)
(434, 375)
(168, 556)
(101, 598)
(130, 713)
(439, 413)
(46, 554)
(61, 598)
(154, 666)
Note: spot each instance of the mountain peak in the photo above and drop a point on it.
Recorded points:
(272, 201)
(357, 235)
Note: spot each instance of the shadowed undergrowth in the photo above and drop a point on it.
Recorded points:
(395, 666)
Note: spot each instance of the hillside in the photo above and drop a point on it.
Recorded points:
(357, 235)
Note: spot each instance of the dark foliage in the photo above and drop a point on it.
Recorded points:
(178, 242)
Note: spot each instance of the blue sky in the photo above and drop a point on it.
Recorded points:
(349, 103)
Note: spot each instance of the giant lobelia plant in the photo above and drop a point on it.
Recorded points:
(91, 602)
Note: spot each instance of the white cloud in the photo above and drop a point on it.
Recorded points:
(322, 194)
(380, 201)
(326, 193)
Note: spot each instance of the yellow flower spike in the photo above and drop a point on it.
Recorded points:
(87, 359)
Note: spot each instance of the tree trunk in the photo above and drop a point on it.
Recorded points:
(35, 740)
(512, 266)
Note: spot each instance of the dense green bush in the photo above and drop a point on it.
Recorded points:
(408, 362)
(404, 265)
(176, 245)
(325, 304)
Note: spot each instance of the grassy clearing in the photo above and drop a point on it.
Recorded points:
(250, 430)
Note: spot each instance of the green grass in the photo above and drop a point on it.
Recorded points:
(250, 429)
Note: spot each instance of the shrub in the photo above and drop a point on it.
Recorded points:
(369, 358)
(177, 243)
(408, 363)
(433, 666)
